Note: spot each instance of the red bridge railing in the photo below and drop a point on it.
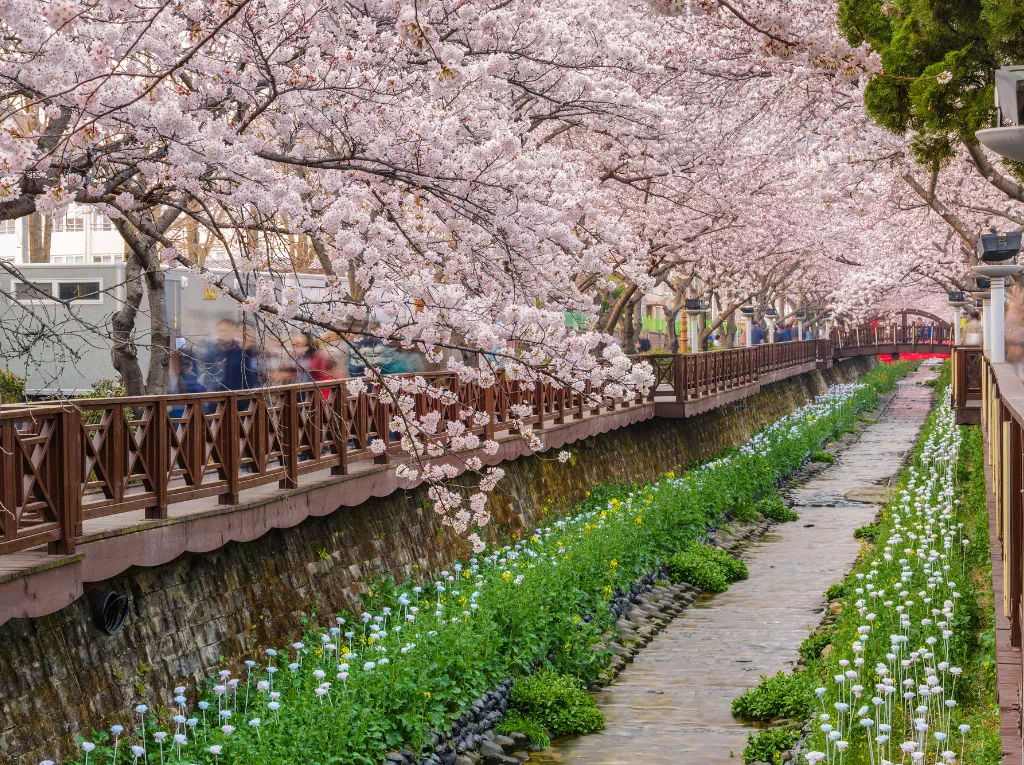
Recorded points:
(63, 464)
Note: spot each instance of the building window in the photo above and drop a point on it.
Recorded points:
(71, 290)
(101, 222)
(86, 292)
(26, 292)
(69, 222)
(8, 227)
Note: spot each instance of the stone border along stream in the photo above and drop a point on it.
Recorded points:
(642, 613)
(660, 605)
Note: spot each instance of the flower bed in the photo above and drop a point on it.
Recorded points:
(357, 687)
(902, 680)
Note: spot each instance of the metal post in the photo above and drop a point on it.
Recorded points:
(956, 325)
(771, 330)
(997, 342)
(695, 335)
(986, 315)
(750, 330)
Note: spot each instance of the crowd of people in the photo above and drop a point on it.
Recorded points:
(237, 358)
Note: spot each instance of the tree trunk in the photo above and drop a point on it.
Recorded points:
(40, 233)
(730, 338)
(160, 334)
(124, 353)
(629, 333)
(143, 253)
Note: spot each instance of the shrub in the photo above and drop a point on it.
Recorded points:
(823, 456)
(835, 591)
(706, 567)
(779, 696)
(556, 703)
(12, 387)
(812, 647)
(866, 532)
(515, 722)
(775, 509)
(768, 745)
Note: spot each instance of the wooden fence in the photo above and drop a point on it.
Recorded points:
(62, 464)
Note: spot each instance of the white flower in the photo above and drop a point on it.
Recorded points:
(943, 77)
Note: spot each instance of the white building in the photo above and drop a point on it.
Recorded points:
(81, 236)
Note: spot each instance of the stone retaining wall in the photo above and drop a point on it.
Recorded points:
(59, 675)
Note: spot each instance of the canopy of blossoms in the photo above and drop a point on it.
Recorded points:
(467, 172)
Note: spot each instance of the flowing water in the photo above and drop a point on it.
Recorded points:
(672, 704)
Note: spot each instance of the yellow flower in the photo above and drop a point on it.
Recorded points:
(614, 564)
(426, 694)
(506, 576)
(534, 538)
(568, 646)
(670, 474)
(639, 521)
(577, 619)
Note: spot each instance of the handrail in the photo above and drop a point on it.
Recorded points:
(62, 464)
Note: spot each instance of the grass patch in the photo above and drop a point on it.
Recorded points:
(823, 456)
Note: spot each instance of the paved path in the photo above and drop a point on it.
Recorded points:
(672, 704)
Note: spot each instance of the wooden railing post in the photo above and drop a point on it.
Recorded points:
(679, 382)
(340, 425)
(64, 486)
(290, 444)
(8, 481)
(489, 405)
(229, 435)
(159, 456)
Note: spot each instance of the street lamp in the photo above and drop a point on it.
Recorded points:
(982, 295)
(956, 300)
(800, 315)
(1007, 140)
(747, 314)
(770, 315)
(694, 307)
(995, 274)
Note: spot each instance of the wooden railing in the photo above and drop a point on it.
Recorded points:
(1002, 415)
(924, 337)
(967, 382)
(63, 464)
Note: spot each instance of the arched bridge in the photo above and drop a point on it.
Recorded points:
(92, 487)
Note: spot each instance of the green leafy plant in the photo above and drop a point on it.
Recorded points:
(835, 591)
(769, 745)
(782, 695)
(12, 387)
(515, 722)
(706, 567)
(557, 703)
(869, 531)
(811, 648)
(821, 455)
(775, 509)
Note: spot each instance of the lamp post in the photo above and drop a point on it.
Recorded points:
(770, 316)
(800, 316)
(693, 308)
(747, 315)
(995, 250)
(956, 300)
(1007, 140)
